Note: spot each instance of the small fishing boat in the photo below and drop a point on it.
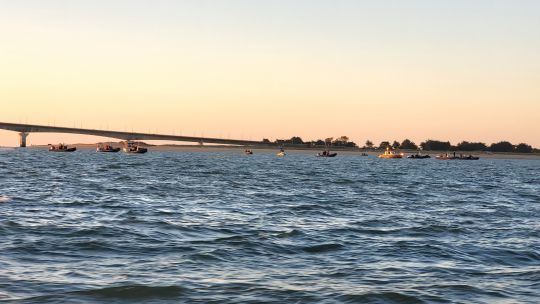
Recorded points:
(418, 155)
(364, 154)
(133, 148)
(62, 148)
(453, 156)
(390, 154)
(107, 148)
(281, 153)
(248, 152)
(326, 154)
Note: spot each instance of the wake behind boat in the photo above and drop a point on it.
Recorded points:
(62, 148)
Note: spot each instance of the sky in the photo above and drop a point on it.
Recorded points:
(378, 70)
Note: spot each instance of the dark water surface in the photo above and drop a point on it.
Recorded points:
(227, 228)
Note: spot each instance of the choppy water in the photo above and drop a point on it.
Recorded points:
(227, 228)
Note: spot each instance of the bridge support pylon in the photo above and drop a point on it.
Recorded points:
(22, 139)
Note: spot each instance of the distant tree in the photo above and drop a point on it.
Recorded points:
(328, 140)
(471, 146)
(369, 144)
(319, 142)
(295, 140)
(524, 148)
(435, 145)
(395, 144)
(266, 140)
(341, 141)
(384, 145)
(408, 145)
(502, 146)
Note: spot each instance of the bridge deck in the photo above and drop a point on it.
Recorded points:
(27, 128)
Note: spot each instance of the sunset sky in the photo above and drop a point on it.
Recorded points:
(378, 70)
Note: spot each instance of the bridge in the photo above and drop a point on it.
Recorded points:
(25, 129)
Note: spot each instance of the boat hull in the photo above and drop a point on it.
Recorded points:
(418, 156)
(327, 155)
(62, 150)
(108, 150)
(138, 151)
(458, 158)
(391, 156)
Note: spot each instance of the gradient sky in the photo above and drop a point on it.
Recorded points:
(379, 70)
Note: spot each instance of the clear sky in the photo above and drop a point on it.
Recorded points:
(380, 70)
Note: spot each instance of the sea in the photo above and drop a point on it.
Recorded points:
(224, 227)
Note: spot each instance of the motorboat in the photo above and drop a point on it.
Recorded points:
(281, 153)
(418, 155)
(453, 156)
(326, 154)
(390, 154)
(364, 154)
(133, 148)
(248, 152)
(107, 148)
(62, 148)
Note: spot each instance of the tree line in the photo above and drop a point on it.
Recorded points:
(436, 145)
(407, 144)
(342, 141)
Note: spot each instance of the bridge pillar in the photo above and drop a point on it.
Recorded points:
(22, 141)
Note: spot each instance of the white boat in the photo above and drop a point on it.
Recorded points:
(131, 147)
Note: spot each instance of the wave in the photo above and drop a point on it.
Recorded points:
(381, 297)
(323, 248)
